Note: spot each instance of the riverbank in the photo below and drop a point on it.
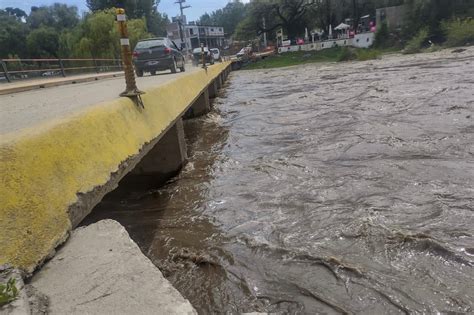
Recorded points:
(336, 54)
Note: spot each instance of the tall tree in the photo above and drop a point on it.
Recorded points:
(430, 13)
(13, 33)
(228, 17)
(206, 19)
(16, 12)
(58, 16)
(291, 15)
(43, 42)
(137, 9)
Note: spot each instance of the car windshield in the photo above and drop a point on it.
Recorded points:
(198, 50)
(215, 51)
(150, 43)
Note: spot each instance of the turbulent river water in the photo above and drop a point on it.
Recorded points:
(343, 188)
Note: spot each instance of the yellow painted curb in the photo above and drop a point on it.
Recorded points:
(42, 169)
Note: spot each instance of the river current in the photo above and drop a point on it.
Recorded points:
(322, 189)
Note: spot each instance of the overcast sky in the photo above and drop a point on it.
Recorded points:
(198, 7)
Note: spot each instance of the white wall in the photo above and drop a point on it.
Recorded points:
(364, 40)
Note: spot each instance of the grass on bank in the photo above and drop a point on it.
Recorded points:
(336, 54)
(456, 32)
(8, 292)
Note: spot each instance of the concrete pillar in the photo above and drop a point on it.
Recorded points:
(226, 73)
(212, 89)
(201, 106)
(218, 81)
(162, 162)
(221, 77)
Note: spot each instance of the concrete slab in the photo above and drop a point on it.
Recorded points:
(100, 270)
(33, 107)
(21, 86)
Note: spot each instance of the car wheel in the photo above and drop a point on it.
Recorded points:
(174, 67)
(139, 73)
(212, 61)
(182, 68)
(153, 72)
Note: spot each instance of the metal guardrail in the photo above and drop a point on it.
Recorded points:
(21, 69)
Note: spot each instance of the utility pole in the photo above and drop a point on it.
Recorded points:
(131, 89)
(264, 33)
(180, 23)
(355, 14)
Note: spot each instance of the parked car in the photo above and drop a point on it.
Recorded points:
(244, 52)
(197, 56)
(216, 54)
(157, 54)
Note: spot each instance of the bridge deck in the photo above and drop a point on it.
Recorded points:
(26, 109)
(63, 148)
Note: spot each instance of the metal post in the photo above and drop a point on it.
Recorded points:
(180, 23)
(131, 89)
(95, 65)
(203, 57)
(63, 73)
(264, 33)
(5, 70)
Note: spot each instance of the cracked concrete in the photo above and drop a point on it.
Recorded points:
(100, 270)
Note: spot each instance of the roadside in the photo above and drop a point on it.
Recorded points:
(22, 86)
(29, 108)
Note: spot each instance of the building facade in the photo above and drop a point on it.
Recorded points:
(193, 35)
(392, 16)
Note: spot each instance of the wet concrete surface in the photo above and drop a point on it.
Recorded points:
(322, 189)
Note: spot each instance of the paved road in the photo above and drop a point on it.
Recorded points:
(26, 109)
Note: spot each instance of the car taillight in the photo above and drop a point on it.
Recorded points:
(136, 54)
(167, 50)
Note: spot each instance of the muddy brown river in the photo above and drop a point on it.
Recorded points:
(322, 189)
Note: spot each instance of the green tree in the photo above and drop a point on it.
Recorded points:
(291, 15)
(382, 36)
(430, 14)
(43, 42)
(156, 23)
(58, 16)
(206, 19)
(99, 35)
(13, 33)
(18, 13)
(228, 17)
(137, 9)
(137, 30)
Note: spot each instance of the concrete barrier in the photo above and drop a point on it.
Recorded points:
(54, 174)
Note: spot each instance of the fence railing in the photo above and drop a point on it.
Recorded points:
(22, 69)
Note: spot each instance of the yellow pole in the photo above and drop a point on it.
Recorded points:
(203, 57)
(131, 89)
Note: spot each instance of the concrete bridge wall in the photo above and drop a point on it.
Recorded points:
(54, 174)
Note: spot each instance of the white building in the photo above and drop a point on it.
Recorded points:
(194, 35)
